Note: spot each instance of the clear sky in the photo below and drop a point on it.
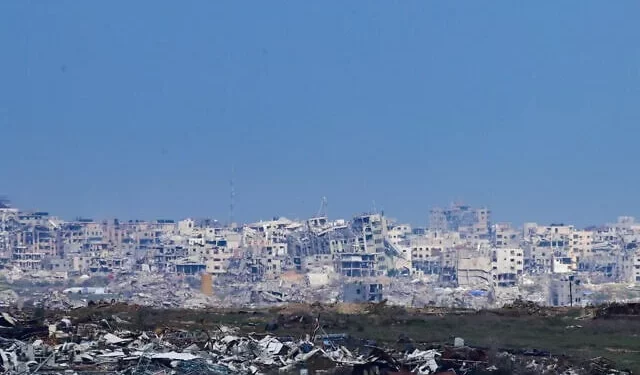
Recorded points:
(139, 109)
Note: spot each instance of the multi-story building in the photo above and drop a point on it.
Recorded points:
(358, 292)
(632, 274)
(508, 266)
(546, 242)
(565, 290)
(35, 239)
(265, 268)
(472, 223)
(358, 265)
(370, 230)
(397, 234)
(504, 235)
(165, 255)
(319, 244)
(9, 225)
(580, 245)
(474, 269)
(429, 251)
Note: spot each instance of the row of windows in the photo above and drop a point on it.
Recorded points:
(426, 249)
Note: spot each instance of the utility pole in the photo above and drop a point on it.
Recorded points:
(571, 290)
(570, 293)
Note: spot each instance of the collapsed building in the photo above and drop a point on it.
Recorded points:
(461, 250)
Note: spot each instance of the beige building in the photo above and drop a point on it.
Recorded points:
(470, 222)
(474, 270)
(435, 252)
(545, 242)
(433, 243)
(504, 235)
(580, 245)
(508, 266)
(479, 230)
(627, 224)
(38, 239)
(265, 268)
(186, 227)
(635, 269)
(370, 231)
(398, 233)
(550, 232)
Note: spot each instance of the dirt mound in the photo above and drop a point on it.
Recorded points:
(351, 308)
(521, 307)
(618, 310)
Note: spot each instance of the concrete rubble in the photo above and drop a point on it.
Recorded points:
(106, 346)
(64, 348)
(179, 291)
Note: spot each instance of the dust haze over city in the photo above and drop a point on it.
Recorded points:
(305, 188)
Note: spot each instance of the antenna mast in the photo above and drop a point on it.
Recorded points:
(232, 196)
(323, 207)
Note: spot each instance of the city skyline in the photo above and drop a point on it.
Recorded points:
(323, 211)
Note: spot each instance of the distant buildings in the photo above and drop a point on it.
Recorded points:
(474, 270)
(507, 266)
(565, 290)
(432, 252)
(469, 222)
(461, 248)
(358, 292)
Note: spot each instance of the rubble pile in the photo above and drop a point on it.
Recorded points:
(8, 298)
(63, 347)
(94, 345)
(613, 310)
(603, 366)
(522, 307)
(179, 291)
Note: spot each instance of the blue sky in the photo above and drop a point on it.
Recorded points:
(139, 109)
